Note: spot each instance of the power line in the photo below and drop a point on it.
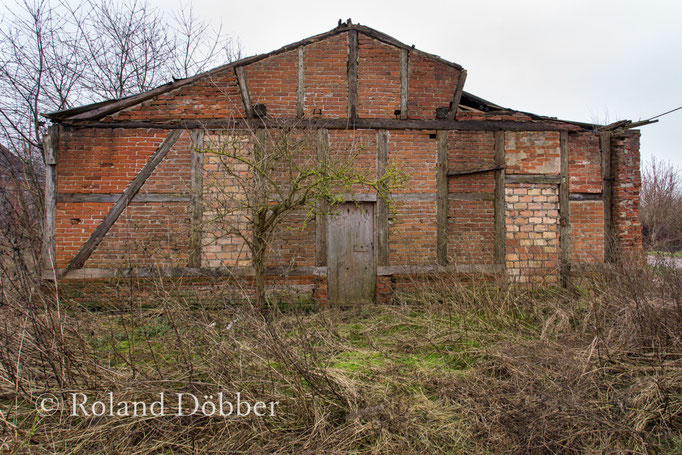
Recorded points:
(665, 113)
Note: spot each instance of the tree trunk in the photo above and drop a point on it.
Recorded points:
(259, 268)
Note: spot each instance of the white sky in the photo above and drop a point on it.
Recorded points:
(593, 61)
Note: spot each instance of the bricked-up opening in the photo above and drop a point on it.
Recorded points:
(493, 189)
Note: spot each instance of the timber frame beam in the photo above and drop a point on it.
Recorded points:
(388, 124)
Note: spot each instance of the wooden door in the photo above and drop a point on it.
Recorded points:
(350, 257)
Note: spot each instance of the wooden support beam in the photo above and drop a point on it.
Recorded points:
(452, 112)
(564, 213)
(382, 210)
(607, 185)
(442, 197)
(497, 167)
(300, 86)
(196, 204)
(352, 75)
(548, 179)
(50, 142)
(244, 91)
(120, 205)
(500, 214)
(112, 197)
(321, 220)
(367, 123)
(404, 82)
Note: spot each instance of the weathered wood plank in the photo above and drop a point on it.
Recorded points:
(452, 112)
(352, 74)
(605, 146)
(50, 142)
(321, 219)
(111, 197)
(244, 91)
(500, 215)
(300, 86)
(382, 210)
(196, 205)
(564, 213)
(497, 167)
(548, 179)
(387, 124)
(442, 197)
(120, 205)
(404, 82)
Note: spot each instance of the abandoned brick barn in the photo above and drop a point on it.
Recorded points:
(491, 189)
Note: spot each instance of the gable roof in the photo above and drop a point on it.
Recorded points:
(102, 109)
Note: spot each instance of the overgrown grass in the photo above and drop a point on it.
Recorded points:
(451, 368)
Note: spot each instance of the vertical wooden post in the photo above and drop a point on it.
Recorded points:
(500, 215)
(382, 210)
(454, 105)
(300, 87)
(404, 82)
(442, 197)
(50, 142)
(244, 91)
(607, 186)
(352, 74)
(322, 208)
(196, 197)
(564, 213)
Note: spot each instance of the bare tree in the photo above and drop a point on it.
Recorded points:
(257, 179)
(55, 56)
(661, 205)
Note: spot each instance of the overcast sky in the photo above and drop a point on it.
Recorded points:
(594, 61)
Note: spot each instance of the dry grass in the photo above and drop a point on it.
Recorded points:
(456, 368)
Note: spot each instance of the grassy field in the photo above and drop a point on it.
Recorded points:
(449, 368)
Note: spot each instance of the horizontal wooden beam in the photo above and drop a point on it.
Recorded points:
(247, 272)
(585, 197)
(388, 124)
(476, 171)
(110, 197)
(533, 178)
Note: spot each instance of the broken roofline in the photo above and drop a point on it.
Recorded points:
(99, 110)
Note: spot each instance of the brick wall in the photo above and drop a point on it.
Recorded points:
(532, 237)
(325, 75)
(532, 152)
(273, 82)
(412, 229)
(627, 182)
(584, 163)
(378, 78)
(431, 85)
(587, 232)
(216, 96)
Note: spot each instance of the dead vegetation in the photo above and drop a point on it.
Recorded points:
(460, 368)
